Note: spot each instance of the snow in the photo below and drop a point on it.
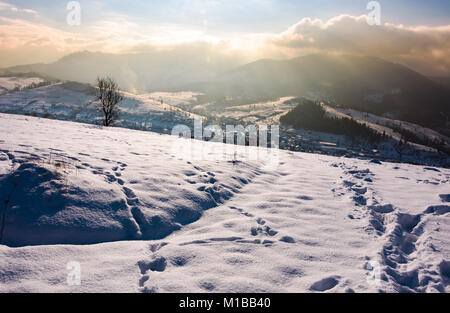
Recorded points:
(384, 124)
(139, 218)
(75, 102)
(268, 112)
(174, 98)
(302, 140)
(9, 83)
(103, 185)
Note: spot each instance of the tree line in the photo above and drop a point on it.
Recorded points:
(311, 115)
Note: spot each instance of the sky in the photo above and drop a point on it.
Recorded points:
(416, 33)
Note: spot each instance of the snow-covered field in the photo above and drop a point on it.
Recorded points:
(75, 102)
(268, 112)
(10, 83)
(139, 218)
(265, 112)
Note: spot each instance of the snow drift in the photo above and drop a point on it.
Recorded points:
(165, 224)
(70, 193)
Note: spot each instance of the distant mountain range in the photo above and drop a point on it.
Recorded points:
(444, 81)
(364, 83)
(149, 71)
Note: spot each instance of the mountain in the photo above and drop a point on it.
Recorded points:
(445, 81)
(146, 71)
(364, 83)
(74, 101)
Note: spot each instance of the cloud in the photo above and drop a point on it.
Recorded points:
(30, 11)
(425, 49)
(24, 42)
(9, 7)
(5, 6)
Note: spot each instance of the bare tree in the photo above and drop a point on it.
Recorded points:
(401, 148)
(109, 96)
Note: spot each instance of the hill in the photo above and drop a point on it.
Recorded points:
(165, 223)
(145, 71)
(311, 116)
(75, 102)
(445, 81)
(364, 83)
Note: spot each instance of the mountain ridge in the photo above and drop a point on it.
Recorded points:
(365, 83)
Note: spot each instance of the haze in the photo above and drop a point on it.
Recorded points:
(413, 33)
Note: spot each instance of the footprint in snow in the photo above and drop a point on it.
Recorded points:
(129, 193)
(179, 261)
(445, 197)
(306, 198)
(158, 264)
(255, 231)
(438, 209)
(325, 284)
(287, 239)
(157, 247)
(260, 221)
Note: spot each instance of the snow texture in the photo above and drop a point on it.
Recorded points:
(138, 218)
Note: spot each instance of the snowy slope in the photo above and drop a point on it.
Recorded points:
(100, 185)
(314, 223)
(268, 112)
(75, 102)
(10, 83)
(384, 124)
(264, 112)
